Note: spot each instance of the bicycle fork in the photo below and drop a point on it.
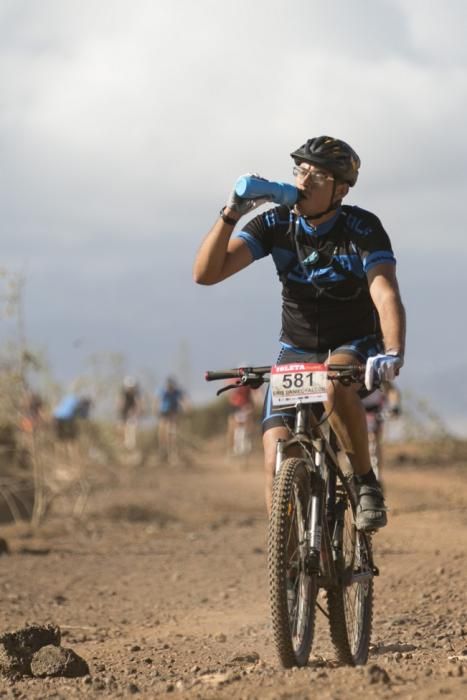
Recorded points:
(314, 532)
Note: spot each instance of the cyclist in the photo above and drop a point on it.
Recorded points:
(380, 404)
(340, 295)
(129, 410)
(33, 414)
(170, 402)
(241, 407)
(66, 414)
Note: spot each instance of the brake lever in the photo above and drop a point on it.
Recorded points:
(227, 388)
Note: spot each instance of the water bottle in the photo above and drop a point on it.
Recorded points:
(251, 187)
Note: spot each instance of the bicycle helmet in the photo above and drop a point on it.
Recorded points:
(331, 154)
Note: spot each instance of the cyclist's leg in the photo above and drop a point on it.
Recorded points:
(162, 429)
(172, 442)
(348, 420)
(129, 432)
(231, 424)
(347, 413)
(348, 417)
(249, 421)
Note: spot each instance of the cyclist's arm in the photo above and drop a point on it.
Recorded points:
(384, 291)
(139, 406)
(219, 255)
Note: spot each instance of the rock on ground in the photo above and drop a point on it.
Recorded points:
(58, 661)
(17, 648)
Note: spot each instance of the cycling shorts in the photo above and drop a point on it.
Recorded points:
(361, 349)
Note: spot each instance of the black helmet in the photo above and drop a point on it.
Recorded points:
(333, 155)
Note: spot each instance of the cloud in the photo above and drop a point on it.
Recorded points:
(124, 125)
(111, 114)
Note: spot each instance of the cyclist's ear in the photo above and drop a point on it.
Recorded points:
(342, 189)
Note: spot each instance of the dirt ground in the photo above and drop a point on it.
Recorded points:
(162, 588)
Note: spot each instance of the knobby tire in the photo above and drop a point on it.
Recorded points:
(292, 590)
(350, 606)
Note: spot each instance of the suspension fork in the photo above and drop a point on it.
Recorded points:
(316, 506)
(280, 453)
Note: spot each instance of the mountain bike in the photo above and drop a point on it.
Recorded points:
(313, 542)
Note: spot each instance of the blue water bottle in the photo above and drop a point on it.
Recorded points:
(251, 187)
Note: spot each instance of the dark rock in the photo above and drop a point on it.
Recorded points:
(377, 674)
(4, 549)
(17, 648)
(58, 661)
(248, 658)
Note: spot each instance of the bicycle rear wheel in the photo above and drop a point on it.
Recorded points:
(292, 586)
(350, 606)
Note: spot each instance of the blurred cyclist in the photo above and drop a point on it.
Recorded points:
(66, 414)
(170, 402)
(129, 411)
(33, 414)
(240, 420)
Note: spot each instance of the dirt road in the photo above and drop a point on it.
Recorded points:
(163, 590)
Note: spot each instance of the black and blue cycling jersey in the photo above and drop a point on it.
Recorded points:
(325, 296)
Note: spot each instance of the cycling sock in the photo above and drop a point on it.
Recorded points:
(368, 479)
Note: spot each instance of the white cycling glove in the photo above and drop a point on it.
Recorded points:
(240, 204)
(382, 368)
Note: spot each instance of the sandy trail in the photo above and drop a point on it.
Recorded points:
(163, 590)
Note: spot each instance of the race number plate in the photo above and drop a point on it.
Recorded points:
(305, 382)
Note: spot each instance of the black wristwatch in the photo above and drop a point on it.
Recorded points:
(227, 219)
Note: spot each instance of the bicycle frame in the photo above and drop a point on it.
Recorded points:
(327, 503)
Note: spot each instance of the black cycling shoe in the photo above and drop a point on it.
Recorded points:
(371, 509)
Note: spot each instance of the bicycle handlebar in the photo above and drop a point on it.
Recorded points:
(238, 373)
(255, 375)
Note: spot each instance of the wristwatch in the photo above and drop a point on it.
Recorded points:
(227, 219)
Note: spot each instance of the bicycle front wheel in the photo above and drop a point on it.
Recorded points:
(292, 586)
(350, 606)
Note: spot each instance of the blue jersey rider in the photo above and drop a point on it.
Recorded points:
(340, 295)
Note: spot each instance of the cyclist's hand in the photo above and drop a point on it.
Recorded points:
(240, 204)
(382, 368)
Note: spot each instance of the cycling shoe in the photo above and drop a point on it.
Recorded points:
(371, 509)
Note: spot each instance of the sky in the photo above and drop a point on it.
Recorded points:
(123, 126)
